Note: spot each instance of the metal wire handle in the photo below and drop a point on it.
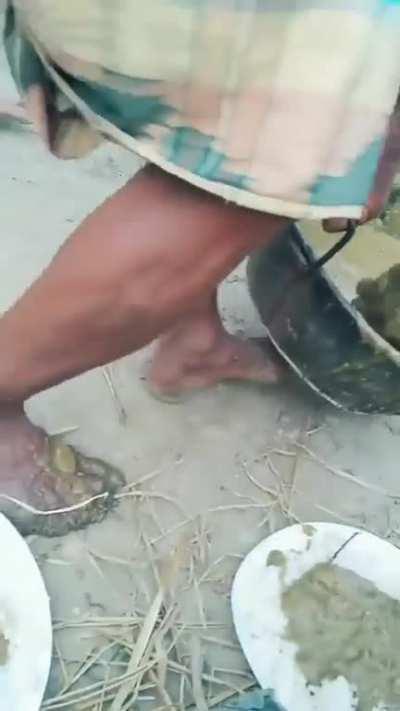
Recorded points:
(314, 266)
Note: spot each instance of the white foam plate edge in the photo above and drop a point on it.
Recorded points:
(25, 620)
(258, 617)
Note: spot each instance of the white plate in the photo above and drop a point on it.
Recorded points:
(260, 622)
(25, 621)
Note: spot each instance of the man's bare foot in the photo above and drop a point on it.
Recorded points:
(186, 361)
(13, 117)
(47, 475)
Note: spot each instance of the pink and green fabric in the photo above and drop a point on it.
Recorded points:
(278, 105)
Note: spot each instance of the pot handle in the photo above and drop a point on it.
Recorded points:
(314, 266)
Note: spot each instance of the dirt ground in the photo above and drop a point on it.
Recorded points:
(203, 467)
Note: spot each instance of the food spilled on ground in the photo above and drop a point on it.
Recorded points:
(344, 626)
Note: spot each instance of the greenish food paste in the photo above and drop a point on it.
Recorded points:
(276, 559)
(379, 302)
(344, 626)
(4, 645)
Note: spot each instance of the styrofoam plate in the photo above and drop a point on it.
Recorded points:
(25, 621)
(260, 621)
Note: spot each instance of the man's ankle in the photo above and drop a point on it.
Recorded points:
(10, 408)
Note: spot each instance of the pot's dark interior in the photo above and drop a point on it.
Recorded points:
(319, 334)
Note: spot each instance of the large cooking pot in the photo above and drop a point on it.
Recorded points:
(323, 338)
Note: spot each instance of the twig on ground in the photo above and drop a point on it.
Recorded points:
(109, 378)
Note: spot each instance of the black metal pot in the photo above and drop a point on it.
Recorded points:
(322, 336)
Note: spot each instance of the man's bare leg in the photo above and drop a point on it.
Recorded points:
(148, 258)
